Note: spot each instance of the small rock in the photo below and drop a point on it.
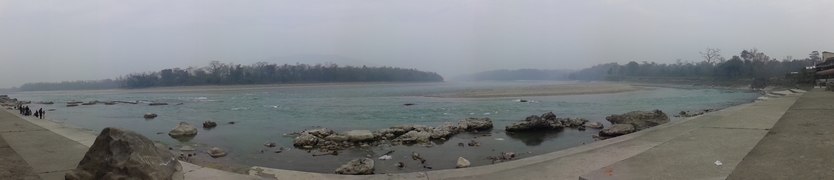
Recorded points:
(462, 163)
(216, 152)
(150, 115)
(400, 165)
(385, 157)
(209, 124)
(271, 144)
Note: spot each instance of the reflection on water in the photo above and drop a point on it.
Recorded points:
(534, 138)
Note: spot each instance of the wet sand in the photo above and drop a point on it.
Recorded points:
(546, 90)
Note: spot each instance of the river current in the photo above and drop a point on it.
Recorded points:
(264, 115)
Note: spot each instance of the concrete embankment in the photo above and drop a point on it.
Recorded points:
(707, 147)
(799, 146)
(40, 149)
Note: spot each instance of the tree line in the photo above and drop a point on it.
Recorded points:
(217, 73)
(750, 65)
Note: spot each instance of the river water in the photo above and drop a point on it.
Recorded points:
(264, 115)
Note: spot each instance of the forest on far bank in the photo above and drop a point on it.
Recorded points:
(750, 66)
(217, 73)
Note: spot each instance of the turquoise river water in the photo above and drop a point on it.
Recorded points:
(266, 113)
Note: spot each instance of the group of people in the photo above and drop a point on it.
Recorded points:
(24, 110)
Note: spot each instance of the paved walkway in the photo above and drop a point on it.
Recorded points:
(800, 145)
(34, 152)
(711, 150)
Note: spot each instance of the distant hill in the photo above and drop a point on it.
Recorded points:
(518, 74)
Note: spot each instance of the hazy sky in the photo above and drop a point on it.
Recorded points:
(55, 40)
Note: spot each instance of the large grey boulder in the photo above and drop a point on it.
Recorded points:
(361, 166)
(617, 130)
(216, 152)
(359, 135)
(640, 119)
(183, 130)
(546, 121)
(123, 154)
(475, 124)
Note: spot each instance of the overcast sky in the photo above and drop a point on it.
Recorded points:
(56, 40)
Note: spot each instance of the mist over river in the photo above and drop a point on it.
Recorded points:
(265, 113)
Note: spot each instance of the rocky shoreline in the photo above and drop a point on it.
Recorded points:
(328, 142)
(322, 141)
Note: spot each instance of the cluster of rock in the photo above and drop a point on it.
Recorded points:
(632, 122)
(326, 139)
(548, 121)
(503, 156)
(8, 102)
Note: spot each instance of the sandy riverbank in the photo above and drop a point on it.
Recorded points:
(545, 90)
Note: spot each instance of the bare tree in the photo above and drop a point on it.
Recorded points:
(711, 55)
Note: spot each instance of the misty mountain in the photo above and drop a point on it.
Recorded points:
(518, 74)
